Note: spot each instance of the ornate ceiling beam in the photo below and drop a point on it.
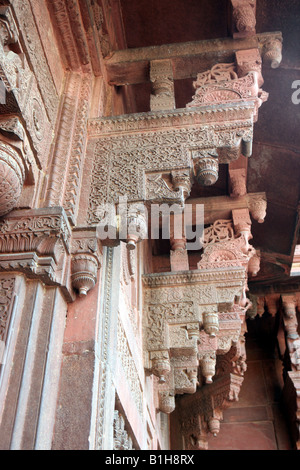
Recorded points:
(131, 66)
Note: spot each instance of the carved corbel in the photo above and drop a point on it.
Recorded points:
(244, 17)
(272, 52)
(211, 323)
(86, 256)
(36, 242)
(207, 363)
(206, 165)
(202, 412)
(161, 77)
(181, 181)
(242, 225)
(272, 303)
(289, 303)
(182, 337)
(161, 366)
(166, 401)
(178, 255)
(137, 225)
(127, 223)
(8, 29)
(256, 306)
(17, 164)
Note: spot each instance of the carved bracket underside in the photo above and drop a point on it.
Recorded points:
(201, 413)
(23, 95)
(135, 155)
(194, 326)
(40, 244)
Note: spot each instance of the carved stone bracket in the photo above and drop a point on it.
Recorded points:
(272, 52)
(226, 244)
(222, 84)
(289, 304)
(291, 397)
(37, 243)
(244, 18)
(189, 319)
(238, 182)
